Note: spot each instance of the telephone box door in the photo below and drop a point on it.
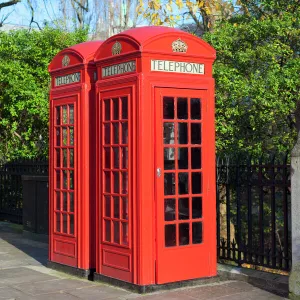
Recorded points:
(183, 206)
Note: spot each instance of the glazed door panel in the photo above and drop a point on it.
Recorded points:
(116, 204)
(182, 205)
(64, 244)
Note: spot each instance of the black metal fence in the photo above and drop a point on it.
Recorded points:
(11, 186)
(253, 211)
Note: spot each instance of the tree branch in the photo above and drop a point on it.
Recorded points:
(85, 8)
(32, 15)
(9, 3)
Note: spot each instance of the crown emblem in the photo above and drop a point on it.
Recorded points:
(179, 46)
(65, 61)
(116, 48)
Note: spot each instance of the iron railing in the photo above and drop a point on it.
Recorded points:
(11, 186)
(253, 211)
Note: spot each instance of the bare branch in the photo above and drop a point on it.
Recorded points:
(9, 3)
(32, 15)
(85, 8)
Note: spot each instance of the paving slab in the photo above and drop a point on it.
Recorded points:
(11, 293)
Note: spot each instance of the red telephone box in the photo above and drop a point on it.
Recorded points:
(156, 209)
(72, 164)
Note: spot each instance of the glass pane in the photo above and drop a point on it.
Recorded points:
(170, 235)
(65, 201)
(124, 108)
(71, 180)
(107, 231)
(71, 195)
(107, 133)
(197, 233)
(124, 133)
(116, 207)
(107, 206)
(124, 233)
(65, 223)
(182, 133)
(57, 137)
(183, 158)
(197, 207)
(71, 158)
(107, 109)
(58, 179)
(124, 158)
(196, 158)
(116, 108)
(65, 156)
(58, 158)
(196, 183)
(116, 182)
(58, 222)
(183, 183)
(71, 224)
(71, 130)
(183, 208)
(107, 181)
(169, 158)
(116, 232)
(65, 179)
(65, 114)
(57, 115)
(124, 183)
(116, 133)
(195, 109)
(196, 133)
(182, 109)
(169, 184)
(116, 158)
(107, 158)
(170, 213)
(184, 234)
(71, 111)
(65, 136)
(168, 108)
(124, 208)
(169, 133)
(58, 200)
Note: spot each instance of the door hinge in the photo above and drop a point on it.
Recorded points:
(158, 172)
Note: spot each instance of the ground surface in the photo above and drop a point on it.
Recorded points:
(24, 276)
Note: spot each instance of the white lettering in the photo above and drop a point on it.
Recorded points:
(177, 67)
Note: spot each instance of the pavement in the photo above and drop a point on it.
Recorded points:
(24, 276)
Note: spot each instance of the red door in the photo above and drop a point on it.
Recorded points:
(64, 241)
(184, 223)
(116, 196)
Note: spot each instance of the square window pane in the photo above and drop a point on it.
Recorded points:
(124, 233)
(197, 207)
(182, 108)
(182, 133)
(57, 115)
(124, 157)
(57, 222)
(195, 109)
(196, 133)
(65, 114)
(107, 158)
(183, 183)
(124, 208)
(107, 109)
(116, 158)
(169, 158)
(71, 195)
(71, 141)
(71, 112)
(106, 133)
(65, 223)
(57, 200)
(57, 136)
(65, 179)
(107, 206)
(116, 207)
(65, 201)
(169, 133)
(71, 180)
(116, 133)
(65, 136)
(65, 157)
(58, 179)
(116, 232)
(169, 184)
(107, 181)
(115, 108)
(183, 158)
(197, 233)
(124, 108)
(184, 234)
(170, 212)
(124, 133)
(183, 208)
(71, 158)
(107, 231)
(71, 224)
(168, 108)
(116, 182)
(124, 183)
(196, 158)
(170, 235)
(196, 183)
(57, 158)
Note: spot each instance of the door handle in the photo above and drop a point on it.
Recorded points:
(158, 172)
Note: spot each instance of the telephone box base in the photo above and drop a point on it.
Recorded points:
(142, 289)
(83, 273)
